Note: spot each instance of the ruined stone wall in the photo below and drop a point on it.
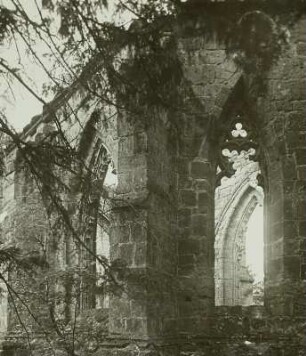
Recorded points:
(24, 218)
(163, 212)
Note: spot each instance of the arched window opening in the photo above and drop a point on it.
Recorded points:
(103, 185)
(102, 242)
(238, 220)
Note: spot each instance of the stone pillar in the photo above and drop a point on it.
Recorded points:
(196, 245)
(128, 236)
(143, 236)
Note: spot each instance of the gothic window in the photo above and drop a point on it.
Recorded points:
(238, 197)
(100, 243)
(100, 183)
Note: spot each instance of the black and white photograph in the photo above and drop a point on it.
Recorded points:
(152, 177)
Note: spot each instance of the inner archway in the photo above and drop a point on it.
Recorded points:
(238, 223)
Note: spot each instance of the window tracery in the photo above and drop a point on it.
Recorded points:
(102, 183)
(236, 147)
(238, 191)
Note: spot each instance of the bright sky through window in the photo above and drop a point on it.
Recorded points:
(255, 244)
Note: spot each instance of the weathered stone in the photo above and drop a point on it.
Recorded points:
(188, 198)
(200, 170)
(189, 246)
(184, 217)
(203, 202)
(198, 224)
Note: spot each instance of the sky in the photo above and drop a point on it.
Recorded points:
(22, 106)
(17, 103)
(20, 111)
(255, 243)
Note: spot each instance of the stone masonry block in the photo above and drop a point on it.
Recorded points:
(292, 267)
(301, 156)
(204, 202)
(188, 198)
(126, 252)
(119, 234)
(186, 260)
(302, 228)
(200, 170)
(303, 272)
(140, 254)
(184, 217)
(138, 232)
(136, 326)
(140, 142)
(188, 246)
(198, 223)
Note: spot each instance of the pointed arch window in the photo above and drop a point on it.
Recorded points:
(100, 182)
(238, 195)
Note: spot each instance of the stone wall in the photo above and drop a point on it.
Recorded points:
(281, 112)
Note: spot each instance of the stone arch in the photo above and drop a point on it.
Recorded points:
(230, 264)
(96, 165)
(97, 133)
(282, 142)
(97, 151)
(243, 196)
(198, 162)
